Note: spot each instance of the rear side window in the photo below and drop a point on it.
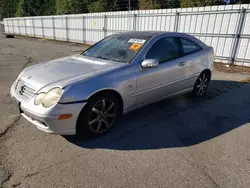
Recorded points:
(189, 46)
(164, 49)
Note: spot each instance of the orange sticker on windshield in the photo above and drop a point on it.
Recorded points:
(135, 46)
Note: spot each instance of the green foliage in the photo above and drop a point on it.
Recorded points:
(170, 4)
(50, 7)
(33, 7)
(37, 8)
(80, 6)
(19, 11)
(8, 8)
(107, 5)
(98, 6)
(199, 3)
(155, 4)
(149, 4)
(64, 7)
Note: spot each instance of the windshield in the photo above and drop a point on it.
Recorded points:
(122, 48)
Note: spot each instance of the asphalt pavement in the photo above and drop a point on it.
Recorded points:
(178, 142)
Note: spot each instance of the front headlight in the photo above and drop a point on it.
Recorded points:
(52, 97)
(39, 98)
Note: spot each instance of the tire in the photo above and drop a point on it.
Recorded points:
(99, 115)
(201, 84)
(9, 36)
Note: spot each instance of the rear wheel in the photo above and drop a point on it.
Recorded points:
(201, 84)
(99, 115)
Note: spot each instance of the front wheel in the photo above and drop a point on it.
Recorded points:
(201, 84)
(99, 115)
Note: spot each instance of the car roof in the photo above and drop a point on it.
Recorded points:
(149, 34)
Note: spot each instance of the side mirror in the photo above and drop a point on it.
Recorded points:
(150, 63)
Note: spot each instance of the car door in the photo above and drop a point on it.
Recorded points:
(158, 82)
(192, 57)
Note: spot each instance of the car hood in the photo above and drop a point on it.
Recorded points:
(64, 71)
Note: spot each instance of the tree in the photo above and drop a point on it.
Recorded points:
(107, 5)
(170, 3)
(33, 7)
(8, 8)
(156, 4)
(19, 10)
(200, 3)
(80, 6)
(50, 7)
(36, 8)
(64, 7)
(149, 4)
(98, 6)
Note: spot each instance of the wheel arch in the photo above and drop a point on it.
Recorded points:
(112, 92)
(109, 91)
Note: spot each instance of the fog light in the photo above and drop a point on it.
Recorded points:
(65, 116)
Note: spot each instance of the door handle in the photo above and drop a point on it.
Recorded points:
(181, 63)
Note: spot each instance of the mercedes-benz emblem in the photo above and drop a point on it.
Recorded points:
(22, 89)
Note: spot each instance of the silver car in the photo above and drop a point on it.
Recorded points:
(86, 93)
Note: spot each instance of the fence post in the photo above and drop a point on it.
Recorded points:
(42, 27)
(235, 45)
(13, 28)
(105, 26)
(7, 21)
(66, 28)
(18, 24)
(134, 22)
(32, 21)
(25, 27)
(83, 30)
(53, 27)
(176, 22)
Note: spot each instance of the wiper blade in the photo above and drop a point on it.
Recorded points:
(101, 57)
(118, 60)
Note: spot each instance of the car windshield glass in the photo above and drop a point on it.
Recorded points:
(121, 48)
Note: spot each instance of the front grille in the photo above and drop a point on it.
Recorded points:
(23, 90)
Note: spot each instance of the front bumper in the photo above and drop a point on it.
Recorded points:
(50, 123)
(46, 119)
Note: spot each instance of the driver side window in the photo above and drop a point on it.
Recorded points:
(164, 49)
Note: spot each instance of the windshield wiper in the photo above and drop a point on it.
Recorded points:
(101, 57)
(118, 60)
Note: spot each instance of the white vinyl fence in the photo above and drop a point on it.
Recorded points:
(1, 27)
(226, 27)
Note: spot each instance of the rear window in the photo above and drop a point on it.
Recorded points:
(189, 46)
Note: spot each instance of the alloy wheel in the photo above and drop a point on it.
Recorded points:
(202, 84)
(102, 116)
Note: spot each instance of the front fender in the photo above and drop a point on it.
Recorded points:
(82, 92)
(122, 81)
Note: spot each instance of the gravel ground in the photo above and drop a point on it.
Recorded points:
(179, 142)
(232, 68)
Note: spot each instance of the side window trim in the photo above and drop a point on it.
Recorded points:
(178, 43)
(181, 46)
